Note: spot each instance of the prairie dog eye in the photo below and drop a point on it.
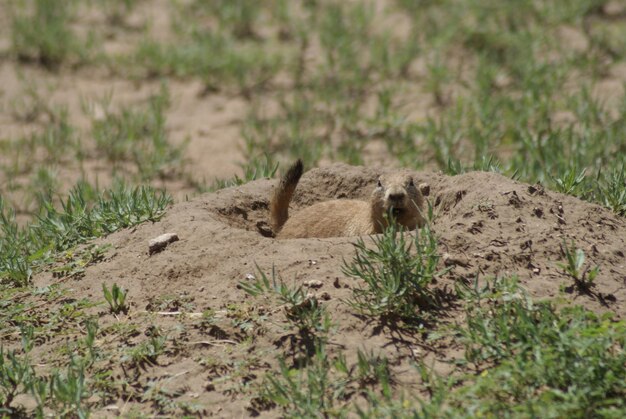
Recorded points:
(380, 184)
(411, 183)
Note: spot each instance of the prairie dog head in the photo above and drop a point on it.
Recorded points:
(399, 196)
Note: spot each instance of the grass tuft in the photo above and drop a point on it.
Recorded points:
(582, 275)
(613, 190)
(116, 297)
(41, 33)
(397, 273)
(315, 390)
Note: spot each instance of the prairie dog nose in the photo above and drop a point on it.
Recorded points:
(396, 196)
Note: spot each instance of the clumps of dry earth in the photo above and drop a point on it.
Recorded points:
(193, 341)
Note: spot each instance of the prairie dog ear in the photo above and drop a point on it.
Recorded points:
(424, 189)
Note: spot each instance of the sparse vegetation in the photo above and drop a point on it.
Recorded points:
(148, 351)
(223, 57)
(14, 375)
(84, 215)
(68, 389)
(536, 350)
(302, 311)
(138, 137)
(117, 11)
(534, 91)
(525, 356)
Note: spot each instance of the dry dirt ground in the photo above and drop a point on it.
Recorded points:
(209, 125)
(486, 225)
(221, 342)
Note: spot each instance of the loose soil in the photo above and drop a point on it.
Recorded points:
(487, 225)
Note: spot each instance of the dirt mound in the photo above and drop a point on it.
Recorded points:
(497, 226)
(486, 225)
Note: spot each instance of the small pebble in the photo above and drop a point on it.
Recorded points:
(159, 243)
(314, 283)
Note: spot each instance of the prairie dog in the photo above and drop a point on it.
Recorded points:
(396, 194)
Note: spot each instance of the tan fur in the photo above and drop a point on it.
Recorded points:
(348, 217)
(279, 204)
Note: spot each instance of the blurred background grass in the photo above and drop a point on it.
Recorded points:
(531, 89)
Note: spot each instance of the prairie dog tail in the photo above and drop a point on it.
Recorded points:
(279, 203)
